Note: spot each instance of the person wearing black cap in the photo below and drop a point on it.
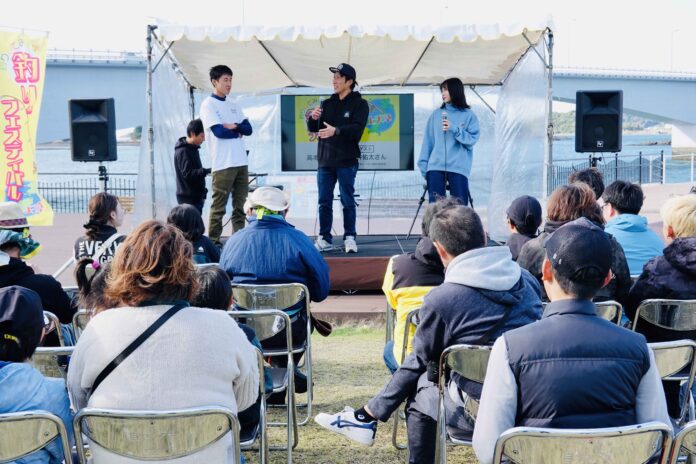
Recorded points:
(340, 122)
(23, 387)
(524, 219)
(572, 369)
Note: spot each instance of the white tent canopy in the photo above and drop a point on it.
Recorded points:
(513, 62)
(276, 57)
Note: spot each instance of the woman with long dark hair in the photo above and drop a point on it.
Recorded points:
(448, 144)
(189, 221)
(101, 237)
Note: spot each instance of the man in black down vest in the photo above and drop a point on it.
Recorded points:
(572, 369)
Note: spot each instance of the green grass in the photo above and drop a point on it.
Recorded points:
(348, 370)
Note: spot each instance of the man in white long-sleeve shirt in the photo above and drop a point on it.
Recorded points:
(572, 369)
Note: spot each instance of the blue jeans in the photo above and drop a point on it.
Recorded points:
(458, 184)
(389, 359)
(326, 181)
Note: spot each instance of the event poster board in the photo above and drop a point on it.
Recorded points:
(386, 144)
(22, 76)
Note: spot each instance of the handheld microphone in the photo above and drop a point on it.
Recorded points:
(444, 117)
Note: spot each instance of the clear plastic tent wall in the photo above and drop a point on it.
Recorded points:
(521, 124)
(508, 159)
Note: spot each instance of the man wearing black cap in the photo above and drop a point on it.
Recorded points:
(524, 219)
(340, 122)
(23, 387)
(572, 369)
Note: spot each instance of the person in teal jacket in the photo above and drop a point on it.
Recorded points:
(621, 202)
(448, 144)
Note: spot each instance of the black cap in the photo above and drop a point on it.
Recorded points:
(21, 316)
(525, 212)
(346, 71)
(580, 251)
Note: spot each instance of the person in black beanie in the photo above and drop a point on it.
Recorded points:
(524, 218)
(190, 173)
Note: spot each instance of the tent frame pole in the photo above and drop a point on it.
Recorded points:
(548, 165)
(150, 128)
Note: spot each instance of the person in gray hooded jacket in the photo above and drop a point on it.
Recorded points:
(485, 293)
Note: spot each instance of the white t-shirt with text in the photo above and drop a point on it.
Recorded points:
(224, 153)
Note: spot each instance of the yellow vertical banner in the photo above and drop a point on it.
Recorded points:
(22, 76)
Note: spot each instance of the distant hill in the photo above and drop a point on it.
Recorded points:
(564, 123)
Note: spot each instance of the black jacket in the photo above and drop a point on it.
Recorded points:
(671, 276)
(516, 242)
(53, 298)
(190, 173)
(575, 370)
(349, 117)
(422, 268)
(87, 247)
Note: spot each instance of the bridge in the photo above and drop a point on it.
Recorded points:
(662, 96)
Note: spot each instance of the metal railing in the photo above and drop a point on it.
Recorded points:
(74, 55)
(644, 168)
(72, 195)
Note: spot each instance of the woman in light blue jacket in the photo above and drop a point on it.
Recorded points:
(448, 143)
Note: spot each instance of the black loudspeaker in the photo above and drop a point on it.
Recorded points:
(598, 121)
(93, 129)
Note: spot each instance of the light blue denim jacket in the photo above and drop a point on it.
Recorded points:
(23, 388)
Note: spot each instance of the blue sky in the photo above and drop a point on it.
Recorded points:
(644, 34)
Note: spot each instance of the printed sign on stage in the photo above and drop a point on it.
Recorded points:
(386, 144)
(22, 75)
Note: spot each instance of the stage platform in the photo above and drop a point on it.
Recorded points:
(365, 269)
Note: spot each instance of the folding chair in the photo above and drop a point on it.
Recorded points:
(52, 323)
(80, 320)
(470, 362)
(411, 321)
(609, 310)
(23, 433)
(684, 445)
(52, 361)
(281, 297)
(676, 361)
(247, 439)
(633, 444)
(268, 323)
(154, 435)
(678, 315)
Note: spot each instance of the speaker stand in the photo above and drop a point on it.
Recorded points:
(593, 160)
(103, 177)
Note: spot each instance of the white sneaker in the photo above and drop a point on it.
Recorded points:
(346, 424)
(322, 245)
(351, 246)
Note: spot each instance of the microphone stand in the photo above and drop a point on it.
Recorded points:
(420, 203)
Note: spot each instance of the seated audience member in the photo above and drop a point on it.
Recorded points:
(215, 292)
(591, 177)
(409, 277)
(621, 203)
(190, 173)
(197, 357)
(568, 203)
(91, 283)
(572, 369)
(271, 251)
(485, 293)
(23, 387)
(524, 218)
(101, 238)
(16, 244)
(670, 276)
(189, 221)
